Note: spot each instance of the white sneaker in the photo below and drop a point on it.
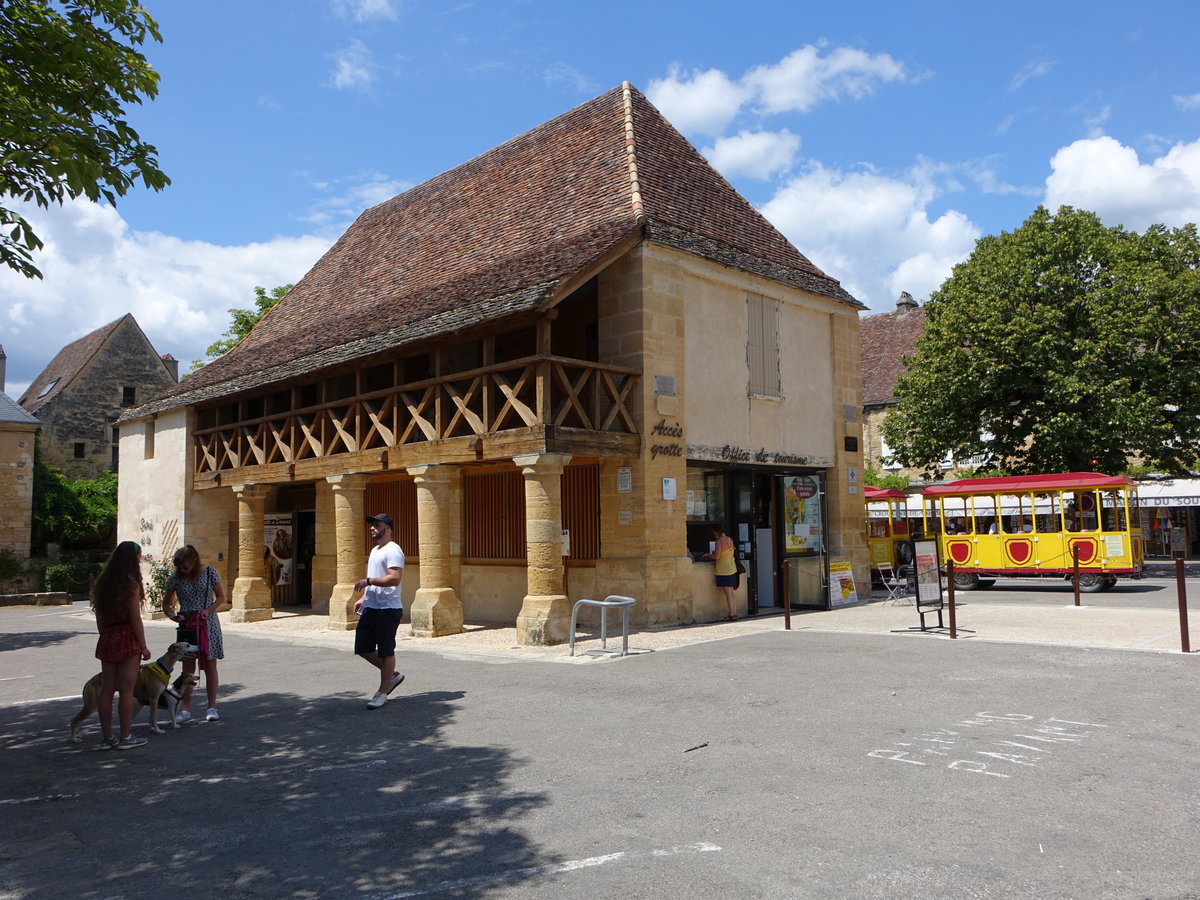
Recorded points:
(396, 679)
(211, 716)
(377, 701)
(184, 716)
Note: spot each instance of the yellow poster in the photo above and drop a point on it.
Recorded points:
(801, 513)
(841, 584)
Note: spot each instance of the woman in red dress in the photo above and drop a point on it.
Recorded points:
(117, 597)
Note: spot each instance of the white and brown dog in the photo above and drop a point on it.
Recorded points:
(150, 689)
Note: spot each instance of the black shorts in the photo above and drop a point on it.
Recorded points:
(376, 631)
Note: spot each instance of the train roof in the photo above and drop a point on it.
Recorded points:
(1030, 483)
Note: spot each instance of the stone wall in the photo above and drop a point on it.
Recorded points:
(86, 410)
(16, 487)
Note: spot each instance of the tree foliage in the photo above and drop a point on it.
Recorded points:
(1062, 346)
(67, 71)
(243, 320)
(69, 512)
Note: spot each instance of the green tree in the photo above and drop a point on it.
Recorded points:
(67, 71)
(243, 321)
(1061, 346)
(70, 512)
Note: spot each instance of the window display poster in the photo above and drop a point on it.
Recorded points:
(278, 548)
(801, 513)
(841, 584)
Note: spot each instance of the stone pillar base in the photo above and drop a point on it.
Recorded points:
(436, 612)
(341, 608)
(543, 620)
(321, 591)
(251, 601)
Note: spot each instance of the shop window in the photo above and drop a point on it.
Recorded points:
(705, 508)
(762, 345)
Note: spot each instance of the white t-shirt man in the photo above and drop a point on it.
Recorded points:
(389, 556)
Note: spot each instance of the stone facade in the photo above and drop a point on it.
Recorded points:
(81, 394)
(644, 360)
(17, 433)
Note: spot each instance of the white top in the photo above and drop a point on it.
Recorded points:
(389, 556)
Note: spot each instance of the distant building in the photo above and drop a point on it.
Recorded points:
(81, 394)
(17, 431)
(887, 338)
(557, 366)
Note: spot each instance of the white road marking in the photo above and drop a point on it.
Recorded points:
(554, 869)
(39, 799)
(16, 678)
(44, 700)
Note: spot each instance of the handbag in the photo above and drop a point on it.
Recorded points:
(741, 567)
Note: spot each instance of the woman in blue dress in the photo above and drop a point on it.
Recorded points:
(198, 589)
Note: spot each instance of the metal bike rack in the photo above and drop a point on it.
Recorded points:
(612, 601)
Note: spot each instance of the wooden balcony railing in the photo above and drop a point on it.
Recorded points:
(544, 390)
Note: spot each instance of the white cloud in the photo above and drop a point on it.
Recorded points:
(706, 102)
(1187, 101)
(97, 269)
(759, 154)
(569, 77)
(872, 232)
(353, 67)
(1035, 69)
(345, 198)
(697, 102)
(367, 10)
(804, 78)
(1103, 175)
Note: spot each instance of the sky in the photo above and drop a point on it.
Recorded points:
(882, 138)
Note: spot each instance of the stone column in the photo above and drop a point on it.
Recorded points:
(545, 614)
(436, 609)
(349, 524)
(324, 561)
(251, 596)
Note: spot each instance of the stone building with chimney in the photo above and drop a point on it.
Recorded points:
(80, 395)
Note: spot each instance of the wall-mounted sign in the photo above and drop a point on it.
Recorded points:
(624, 479)
(566, 542)
(625, 517)
(670, 492)
(668, 435)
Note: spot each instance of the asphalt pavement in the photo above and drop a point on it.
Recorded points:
(847, 757)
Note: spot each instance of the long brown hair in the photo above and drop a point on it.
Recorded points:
(185, 559)
(120, 578)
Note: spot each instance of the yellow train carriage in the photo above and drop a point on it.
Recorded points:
(1035, 525)
(887, 528)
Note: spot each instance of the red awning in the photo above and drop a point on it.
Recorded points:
(876, 493)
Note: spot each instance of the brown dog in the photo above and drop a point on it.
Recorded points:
(148, 690)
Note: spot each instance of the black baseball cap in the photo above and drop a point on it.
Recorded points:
(383, 519)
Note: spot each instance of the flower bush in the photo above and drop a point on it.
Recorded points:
(156, 587)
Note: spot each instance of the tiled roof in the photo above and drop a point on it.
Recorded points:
(503, 234)
(12, 414)
(67, 363)
(886, 339)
